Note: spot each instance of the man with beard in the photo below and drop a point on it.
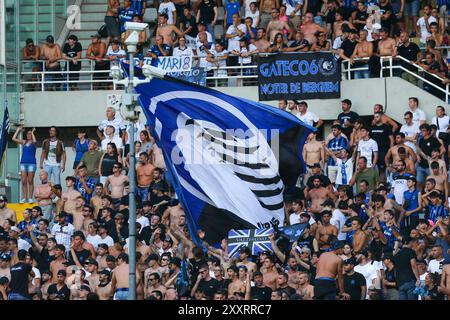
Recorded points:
(144, 175)
(325, 231)
(5, 212)
(317, 195)
(103, 289)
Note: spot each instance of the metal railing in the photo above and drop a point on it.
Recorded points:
(395, 63)
(40, 79)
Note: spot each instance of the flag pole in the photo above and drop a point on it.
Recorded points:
(5, 160)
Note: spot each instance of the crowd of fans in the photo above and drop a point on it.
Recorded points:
(375, 194)
(359, 32)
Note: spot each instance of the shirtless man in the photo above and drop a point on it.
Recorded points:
(43, 193)
(261, 43)
(387, 46)
(167, 30)
(88, 218)
(270, 273)
(305, 289)
(360, 239)
(244, 254)
(265, 9)
(144, 175)
(393, 155)
(172, 215)
(277, 26)
(310, 29)
(97, 52)
(96, 200)
(103, 289)
(235, 285)
(363, 49)
(117, 181)
(52, 53)
(120, 278)
(325, 230)
(70, 196)
(410, 164)
(5, 212)
(318, 194)
(78, 213)
(313, 151)
(32, 52)
(58, 262)
(441, 180)
(329, 267)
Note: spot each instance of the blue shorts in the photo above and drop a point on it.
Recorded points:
(28, 167)
(412, 9)
(422, 173)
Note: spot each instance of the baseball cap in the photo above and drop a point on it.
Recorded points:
(29, 40)
(103, 245)
(305, 214)
(412, 178)
(85, 287)
(62, 273)
(105, 272)
(98, 36)
(91, 261)
(5, 257)
(14, 228)
(3, 198)
(50, 39)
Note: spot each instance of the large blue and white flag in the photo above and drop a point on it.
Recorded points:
(5, 129)
(229, 158)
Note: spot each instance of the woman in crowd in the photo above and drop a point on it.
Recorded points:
(27, 162)
(107, 161)
(80, 146)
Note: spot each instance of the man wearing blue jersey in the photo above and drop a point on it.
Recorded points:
(335, 145)
(126, 14)
(435, 207)
(412, 202)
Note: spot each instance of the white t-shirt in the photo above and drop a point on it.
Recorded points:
(209, 38)
(178, 52)
(294, 218)
(338, 220)
(435, 266)
(399, 186)
(94, 240)
(143, 221)
(220, 63)
(202, 54)
(308, 118)
(108, 241)
(418, 116)
(116, 140)
(51, 156)
(246, 60)
(410, 131)
(138, 127)
(291, 5)
(112, 53)
(423, 28)
(23, 245)
(348, 167)
(254, 16)
(366, 149)
(369, 271)
(167, 8)
(233, 43)
(337, 43)
(441, 123)
(117, 123)
(37, 275)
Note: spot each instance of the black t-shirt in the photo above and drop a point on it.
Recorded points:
(222, 285)
(155, 200)
(306, 242)
(72, 53)
(384, 9)
(353, 285)
(330, 17)
(206, 8)
(290, 291)
(108, 164)
(314, 6)
(260, 293)
(43, 259)
(390, 277)
(360, 15)
(351, 117)
(195, 266)
(427, 145)
(348, 47)
(410, 53)
(63, 293)
(434, 294)
(19, 278)
(402, 262)
(82, 256)
(323, 179)
(381, 135)
(190, 22)
(208, 287)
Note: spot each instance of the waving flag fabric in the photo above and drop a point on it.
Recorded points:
(5, 128)
(229, 158)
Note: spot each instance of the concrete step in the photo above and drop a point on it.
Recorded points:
(94, 7)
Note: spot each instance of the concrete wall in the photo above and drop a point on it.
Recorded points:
(87, 108)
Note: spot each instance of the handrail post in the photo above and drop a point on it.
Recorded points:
(391, 62)
(381, 67)
(446, 93)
